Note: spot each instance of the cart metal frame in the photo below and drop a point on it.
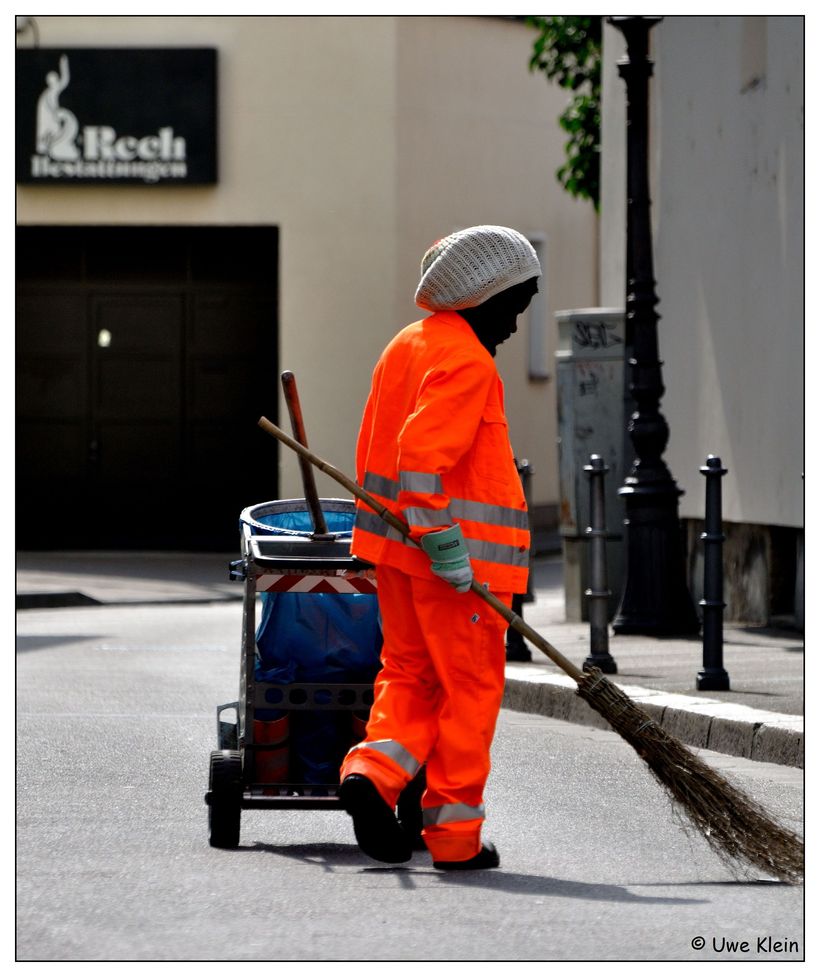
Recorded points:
(269, 562)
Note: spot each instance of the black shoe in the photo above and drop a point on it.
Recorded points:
(377, 831)
(486, 858)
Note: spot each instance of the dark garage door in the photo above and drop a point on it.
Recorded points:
(145, 356)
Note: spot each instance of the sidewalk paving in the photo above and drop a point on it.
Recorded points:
(761, 717)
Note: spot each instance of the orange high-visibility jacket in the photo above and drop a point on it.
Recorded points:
(434, 448)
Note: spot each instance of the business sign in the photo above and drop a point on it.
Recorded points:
(116, 115)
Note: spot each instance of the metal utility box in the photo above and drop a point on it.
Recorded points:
(591, 420)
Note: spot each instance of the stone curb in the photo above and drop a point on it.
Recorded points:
(709, 724)
(33, 601)
(72, 598)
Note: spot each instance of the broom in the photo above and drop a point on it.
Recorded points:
(737, 829)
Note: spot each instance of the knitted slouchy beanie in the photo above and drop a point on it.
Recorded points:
(468, 267)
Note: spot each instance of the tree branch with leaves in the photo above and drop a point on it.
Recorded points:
(568, 51)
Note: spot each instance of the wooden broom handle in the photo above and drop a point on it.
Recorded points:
(513, 619)
(298, 425)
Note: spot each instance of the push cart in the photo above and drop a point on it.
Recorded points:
(308, 662)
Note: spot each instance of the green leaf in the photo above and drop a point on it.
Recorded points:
(568, 51)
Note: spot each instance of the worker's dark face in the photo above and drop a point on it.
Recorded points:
(495, 320)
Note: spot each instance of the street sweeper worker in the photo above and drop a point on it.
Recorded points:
(434, 449)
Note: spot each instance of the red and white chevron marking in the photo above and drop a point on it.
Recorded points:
(293, 583)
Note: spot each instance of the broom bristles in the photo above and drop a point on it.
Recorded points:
(736, 828)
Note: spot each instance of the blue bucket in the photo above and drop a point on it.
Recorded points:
(291, 517)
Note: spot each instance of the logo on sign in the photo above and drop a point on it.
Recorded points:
(98, 151)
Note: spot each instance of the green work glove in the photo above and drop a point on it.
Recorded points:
(450, 559)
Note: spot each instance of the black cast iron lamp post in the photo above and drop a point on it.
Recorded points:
(655, 600)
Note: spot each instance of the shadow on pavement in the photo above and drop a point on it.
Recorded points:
(330, 856)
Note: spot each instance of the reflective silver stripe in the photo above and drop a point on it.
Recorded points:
(371, 523)
(496, 515)
(395, 751)
(387, 488)
(428, 517)
(480, 549)
(426, 482)
(451, 812)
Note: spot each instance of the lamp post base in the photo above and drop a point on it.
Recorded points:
(604, 662)
(712, 680)
(656, 600)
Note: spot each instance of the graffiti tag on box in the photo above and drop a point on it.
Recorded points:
(592, 334)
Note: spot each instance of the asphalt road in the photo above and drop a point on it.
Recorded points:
(115, 722)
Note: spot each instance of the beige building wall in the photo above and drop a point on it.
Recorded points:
(730, 253)
(363, 139)
(612, 238)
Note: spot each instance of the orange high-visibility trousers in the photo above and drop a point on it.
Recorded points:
(437, 700)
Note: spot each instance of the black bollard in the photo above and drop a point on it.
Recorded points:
(516, 647)
(713, 676)
(525, 473)
(598, 592)
(517, 650)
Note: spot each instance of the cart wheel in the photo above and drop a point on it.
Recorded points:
(225, 798)
(408, 810)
